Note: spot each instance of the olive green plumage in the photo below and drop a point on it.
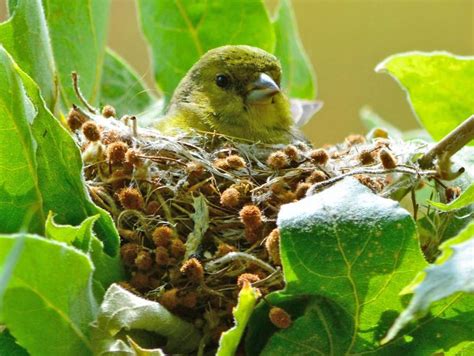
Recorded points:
(233, 90)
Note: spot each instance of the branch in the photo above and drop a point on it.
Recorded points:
(449, 145)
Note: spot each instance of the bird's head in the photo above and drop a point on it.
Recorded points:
(236, 91)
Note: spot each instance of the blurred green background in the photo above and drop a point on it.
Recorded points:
(344, 40)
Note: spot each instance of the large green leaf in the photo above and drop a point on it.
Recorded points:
(298, 78)
(439, 86)
(344, 269)
(122, 87)
(40, 165)
(181, 31)
(357, 259)
(48, 303)
(453, 272)
(25, 36)
(123, 312)
(78, 31)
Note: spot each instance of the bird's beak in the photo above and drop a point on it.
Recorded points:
(262, 90)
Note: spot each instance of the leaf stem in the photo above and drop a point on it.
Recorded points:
(77, 90)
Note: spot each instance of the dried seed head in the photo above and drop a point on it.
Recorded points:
(129, 253)
(278, 160)
(177, 248)
(251, 216)
(116, 152)
(169, 299)
(279, 317)
(144, 261)
(75, 119)
(188, 300)
(91, 131)
(355, 139)
(301, 189)
(109, 137)
(366, 157)
(374, 184)
(452, 193)
(140, 280)
(272, 245)
(286, 197)
(319, 156)
(127, 234)
(235, 162)
(247, 278)
(152, 207)
(130, 198)
(195, 169)
(162, 257)
(108, 111)
(387, 158)
(223, 249)
(292, 152)
(230, 198)
(316, 177)
(221, 163)
(253, 234)
(132, 157)
(193, 269)
(162, 236)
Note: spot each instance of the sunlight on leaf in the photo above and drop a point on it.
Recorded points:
(466, 198)
(439, 87)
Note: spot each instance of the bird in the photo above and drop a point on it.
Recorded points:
(235, 91)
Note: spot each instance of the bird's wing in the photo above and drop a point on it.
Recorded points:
(303, 110)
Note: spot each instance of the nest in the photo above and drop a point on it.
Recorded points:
(197, 212)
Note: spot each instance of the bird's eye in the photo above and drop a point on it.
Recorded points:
(222, 80)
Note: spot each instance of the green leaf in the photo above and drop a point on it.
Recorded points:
(298, 78)
(198, 26)
(8, 345)
(40, 165)
(49, 295)
(25, 36)
(78, 31)
(78, 236)
(230, 339)
(107, 269)
(439, 87)
(122, 312)
(122, 87)
(349, 264)
(466, 198)
(201, 224)
(453, 272)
